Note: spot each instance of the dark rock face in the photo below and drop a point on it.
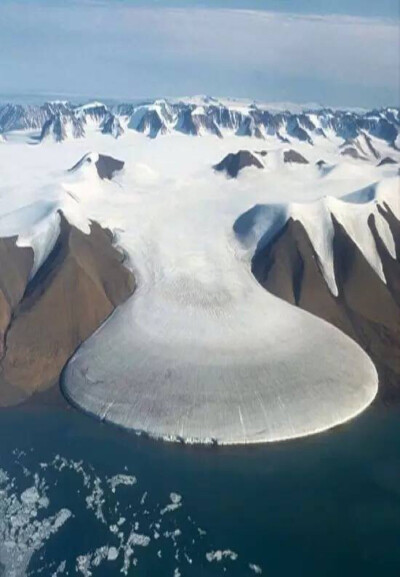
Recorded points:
(43, 321)
(15, 266)
(295, 129)
(194, 124)
(97, 112)
(106, 166)
(205, 122)
(381, 128)
(352, 153)
(359, 148)
(366, 309)
(23, 117)
(225, 118)
(151, 124)
(370, 146)
(249, 127)
(111, 125)
(232, 164)
(282, 138)
(185, 123)
(57, 126)
(291, 156)
(387, 160)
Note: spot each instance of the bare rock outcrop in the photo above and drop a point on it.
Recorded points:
(387, 160)
(43, 321)
(106, 166)
(292, 156)
(232, 164)
(352, 152)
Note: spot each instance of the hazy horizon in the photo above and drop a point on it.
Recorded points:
(39, 98)
(344, 55)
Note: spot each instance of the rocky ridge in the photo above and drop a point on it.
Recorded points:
(207, 116)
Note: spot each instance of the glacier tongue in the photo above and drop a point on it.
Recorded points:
(233, 371)
(202, 352)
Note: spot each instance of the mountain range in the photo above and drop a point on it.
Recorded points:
(62, 119)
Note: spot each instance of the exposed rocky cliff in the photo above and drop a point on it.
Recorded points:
(44, 320)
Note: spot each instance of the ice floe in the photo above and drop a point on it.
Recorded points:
(128, 532)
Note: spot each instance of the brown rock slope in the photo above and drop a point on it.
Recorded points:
(366, 308)
(42, 322)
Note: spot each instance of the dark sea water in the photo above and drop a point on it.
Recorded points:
(324, 506)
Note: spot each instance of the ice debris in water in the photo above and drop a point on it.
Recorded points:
(127, 528)
(25, 525)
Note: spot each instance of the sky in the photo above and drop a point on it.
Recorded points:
(337, 53)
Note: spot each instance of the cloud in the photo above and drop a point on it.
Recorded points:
(121, 50)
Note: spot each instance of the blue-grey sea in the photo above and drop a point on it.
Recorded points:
(80, 497)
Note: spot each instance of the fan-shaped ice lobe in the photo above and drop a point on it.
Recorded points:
(203, 353)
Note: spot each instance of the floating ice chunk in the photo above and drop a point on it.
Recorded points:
(121, 479)
(138, 539)
(220, 555)
(176, 502)
(30, 496)
(112, 554)
(256, 568)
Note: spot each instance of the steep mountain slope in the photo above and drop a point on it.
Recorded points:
(45, 320)
(58, 283)
(27, 117)
(112, 125)
(62, 126)
(339, 259)
(92, 113)
(387, 160)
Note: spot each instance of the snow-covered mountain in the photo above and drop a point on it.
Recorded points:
(61, 126)
(111, 124)
(26, 117)
(206, 115)
(104, 166)
(91, 113)
(233, 163)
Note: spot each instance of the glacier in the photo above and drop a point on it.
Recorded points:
(201, 352)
